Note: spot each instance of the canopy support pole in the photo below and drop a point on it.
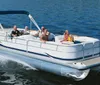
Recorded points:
(32, 19)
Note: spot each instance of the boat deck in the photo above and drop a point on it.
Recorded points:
(86, 63)
(91, 62)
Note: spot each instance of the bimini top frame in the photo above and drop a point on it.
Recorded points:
(21, 12)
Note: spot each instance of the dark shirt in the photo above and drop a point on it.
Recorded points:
(15, 32)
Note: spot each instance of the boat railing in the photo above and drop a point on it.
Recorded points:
(41, 45)
(32, 43)
(5, 35)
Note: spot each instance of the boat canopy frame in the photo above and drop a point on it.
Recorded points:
(21, 12)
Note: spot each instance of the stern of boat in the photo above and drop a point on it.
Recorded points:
(76, 71)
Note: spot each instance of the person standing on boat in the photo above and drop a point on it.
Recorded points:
(68, 37)
(15, 32)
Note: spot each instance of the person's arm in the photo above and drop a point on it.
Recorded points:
(63, 39)
(41, 38)
(37, 34)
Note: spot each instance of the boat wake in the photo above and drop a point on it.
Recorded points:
(4, 59)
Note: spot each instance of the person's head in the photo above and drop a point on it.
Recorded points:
(66, 32)
(26, 28)
(15, 27)
(42, 29)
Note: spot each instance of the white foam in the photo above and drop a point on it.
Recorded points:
(5, 58)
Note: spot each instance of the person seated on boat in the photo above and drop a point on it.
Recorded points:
(44, 36)
(68, 37)
(25, 31)
(39, 33)
(15, 32)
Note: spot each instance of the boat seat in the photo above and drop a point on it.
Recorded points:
(58, 38)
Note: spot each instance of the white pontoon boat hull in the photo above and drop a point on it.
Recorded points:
(46, 64)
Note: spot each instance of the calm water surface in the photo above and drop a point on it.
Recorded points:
(81, 17)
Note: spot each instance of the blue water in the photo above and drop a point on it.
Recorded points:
(80, 17)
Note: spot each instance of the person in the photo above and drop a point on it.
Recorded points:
(43, 29)
(40, 32)
(44, 36)
(25, 31)
(15, 32)
(68, 37)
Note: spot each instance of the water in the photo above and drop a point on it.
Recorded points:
(80, 17)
